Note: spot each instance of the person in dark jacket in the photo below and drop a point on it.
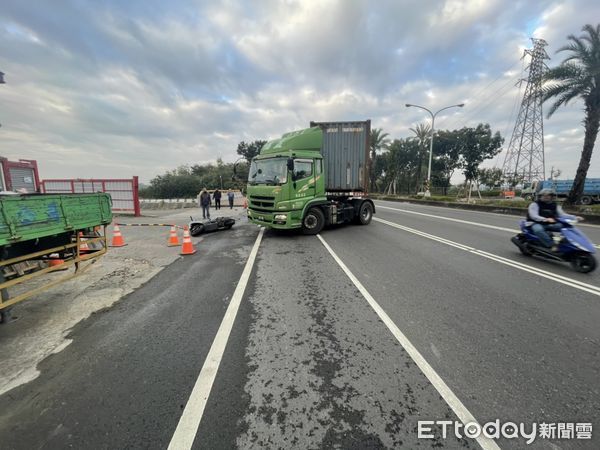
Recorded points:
(230, 197)
(217, 198)
(205, 204)
(544, 213)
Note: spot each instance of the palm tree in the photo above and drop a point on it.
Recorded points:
(377, 141)
(578, 76)
(422, 135)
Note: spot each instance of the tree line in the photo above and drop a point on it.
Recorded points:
(401, 166)
(188, 180)
(398, 166)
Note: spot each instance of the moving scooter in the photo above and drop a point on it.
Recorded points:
(573, 246)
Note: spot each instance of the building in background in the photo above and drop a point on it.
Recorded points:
(19, 176)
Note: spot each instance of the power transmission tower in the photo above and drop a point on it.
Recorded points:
(524, 161)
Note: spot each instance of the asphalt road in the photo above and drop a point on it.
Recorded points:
(443, 318)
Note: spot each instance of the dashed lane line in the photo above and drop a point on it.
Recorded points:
(452, 219)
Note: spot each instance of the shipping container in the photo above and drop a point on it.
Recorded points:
(346, 154)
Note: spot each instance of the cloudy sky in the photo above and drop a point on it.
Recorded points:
(114, 89)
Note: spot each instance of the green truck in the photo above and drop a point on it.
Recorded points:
(43, 233)
(311, 178)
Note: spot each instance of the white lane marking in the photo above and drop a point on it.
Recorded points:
(595, 290)
(186, 430)
(471, 211)
(451, 219)
(450, 398)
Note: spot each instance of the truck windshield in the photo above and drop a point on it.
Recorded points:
(268, 171)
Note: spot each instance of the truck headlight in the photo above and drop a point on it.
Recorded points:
(282, 217)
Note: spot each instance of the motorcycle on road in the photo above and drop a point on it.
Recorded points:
(574, 247)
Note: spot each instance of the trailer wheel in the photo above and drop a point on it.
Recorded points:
(365, 214)
(313, 221)
(586, 200)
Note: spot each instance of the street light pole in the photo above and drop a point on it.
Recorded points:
(408, 105)
(2, 82)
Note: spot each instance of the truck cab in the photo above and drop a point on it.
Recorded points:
(287, 186)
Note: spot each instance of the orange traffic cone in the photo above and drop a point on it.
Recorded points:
(56, 262)
(173, 240)
(187, 248)
(83, 247)
(117, 240)
(245, 203)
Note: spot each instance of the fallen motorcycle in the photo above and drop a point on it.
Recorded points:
(574, 247)
(197, 227)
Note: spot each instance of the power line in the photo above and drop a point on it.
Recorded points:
(486, 101)
(480, 90)
(512, 112)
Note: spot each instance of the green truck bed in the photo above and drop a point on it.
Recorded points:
(33, 216)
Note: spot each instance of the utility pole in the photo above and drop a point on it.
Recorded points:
(524, 159)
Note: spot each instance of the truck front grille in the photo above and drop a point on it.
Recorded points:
(261, 201)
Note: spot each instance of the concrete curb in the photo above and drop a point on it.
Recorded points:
(589, 218)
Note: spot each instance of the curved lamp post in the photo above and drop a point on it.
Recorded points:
(408, 105)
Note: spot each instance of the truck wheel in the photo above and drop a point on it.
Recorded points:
(313, 221)
(365, 214)
(586, 200)
(528, 197)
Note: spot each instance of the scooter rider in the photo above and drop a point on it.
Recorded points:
(543, 213)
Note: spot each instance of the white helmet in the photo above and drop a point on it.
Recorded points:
(546, 191)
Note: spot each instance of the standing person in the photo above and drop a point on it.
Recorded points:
(230, 197)
(205, 204)
(217, 197)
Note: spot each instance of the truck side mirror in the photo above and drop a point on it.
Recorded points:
(290, 164)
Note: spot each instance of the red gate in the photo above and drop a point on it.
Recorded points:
(124, 192)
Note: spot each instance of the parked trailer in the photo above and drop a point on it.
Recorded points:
(51, 230)
(591, 189)
(313, 177)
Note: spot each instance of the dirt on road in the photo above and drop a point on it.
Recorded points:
(43, 322)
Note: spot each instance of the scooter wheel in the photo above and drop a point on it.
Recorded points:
(583, 262)
(197, 229)
(520, 242)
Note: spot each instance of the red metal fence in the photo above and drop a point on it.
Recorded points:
(124, 192)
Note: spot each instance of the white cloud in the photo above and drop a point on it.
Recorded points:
(116, 91)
